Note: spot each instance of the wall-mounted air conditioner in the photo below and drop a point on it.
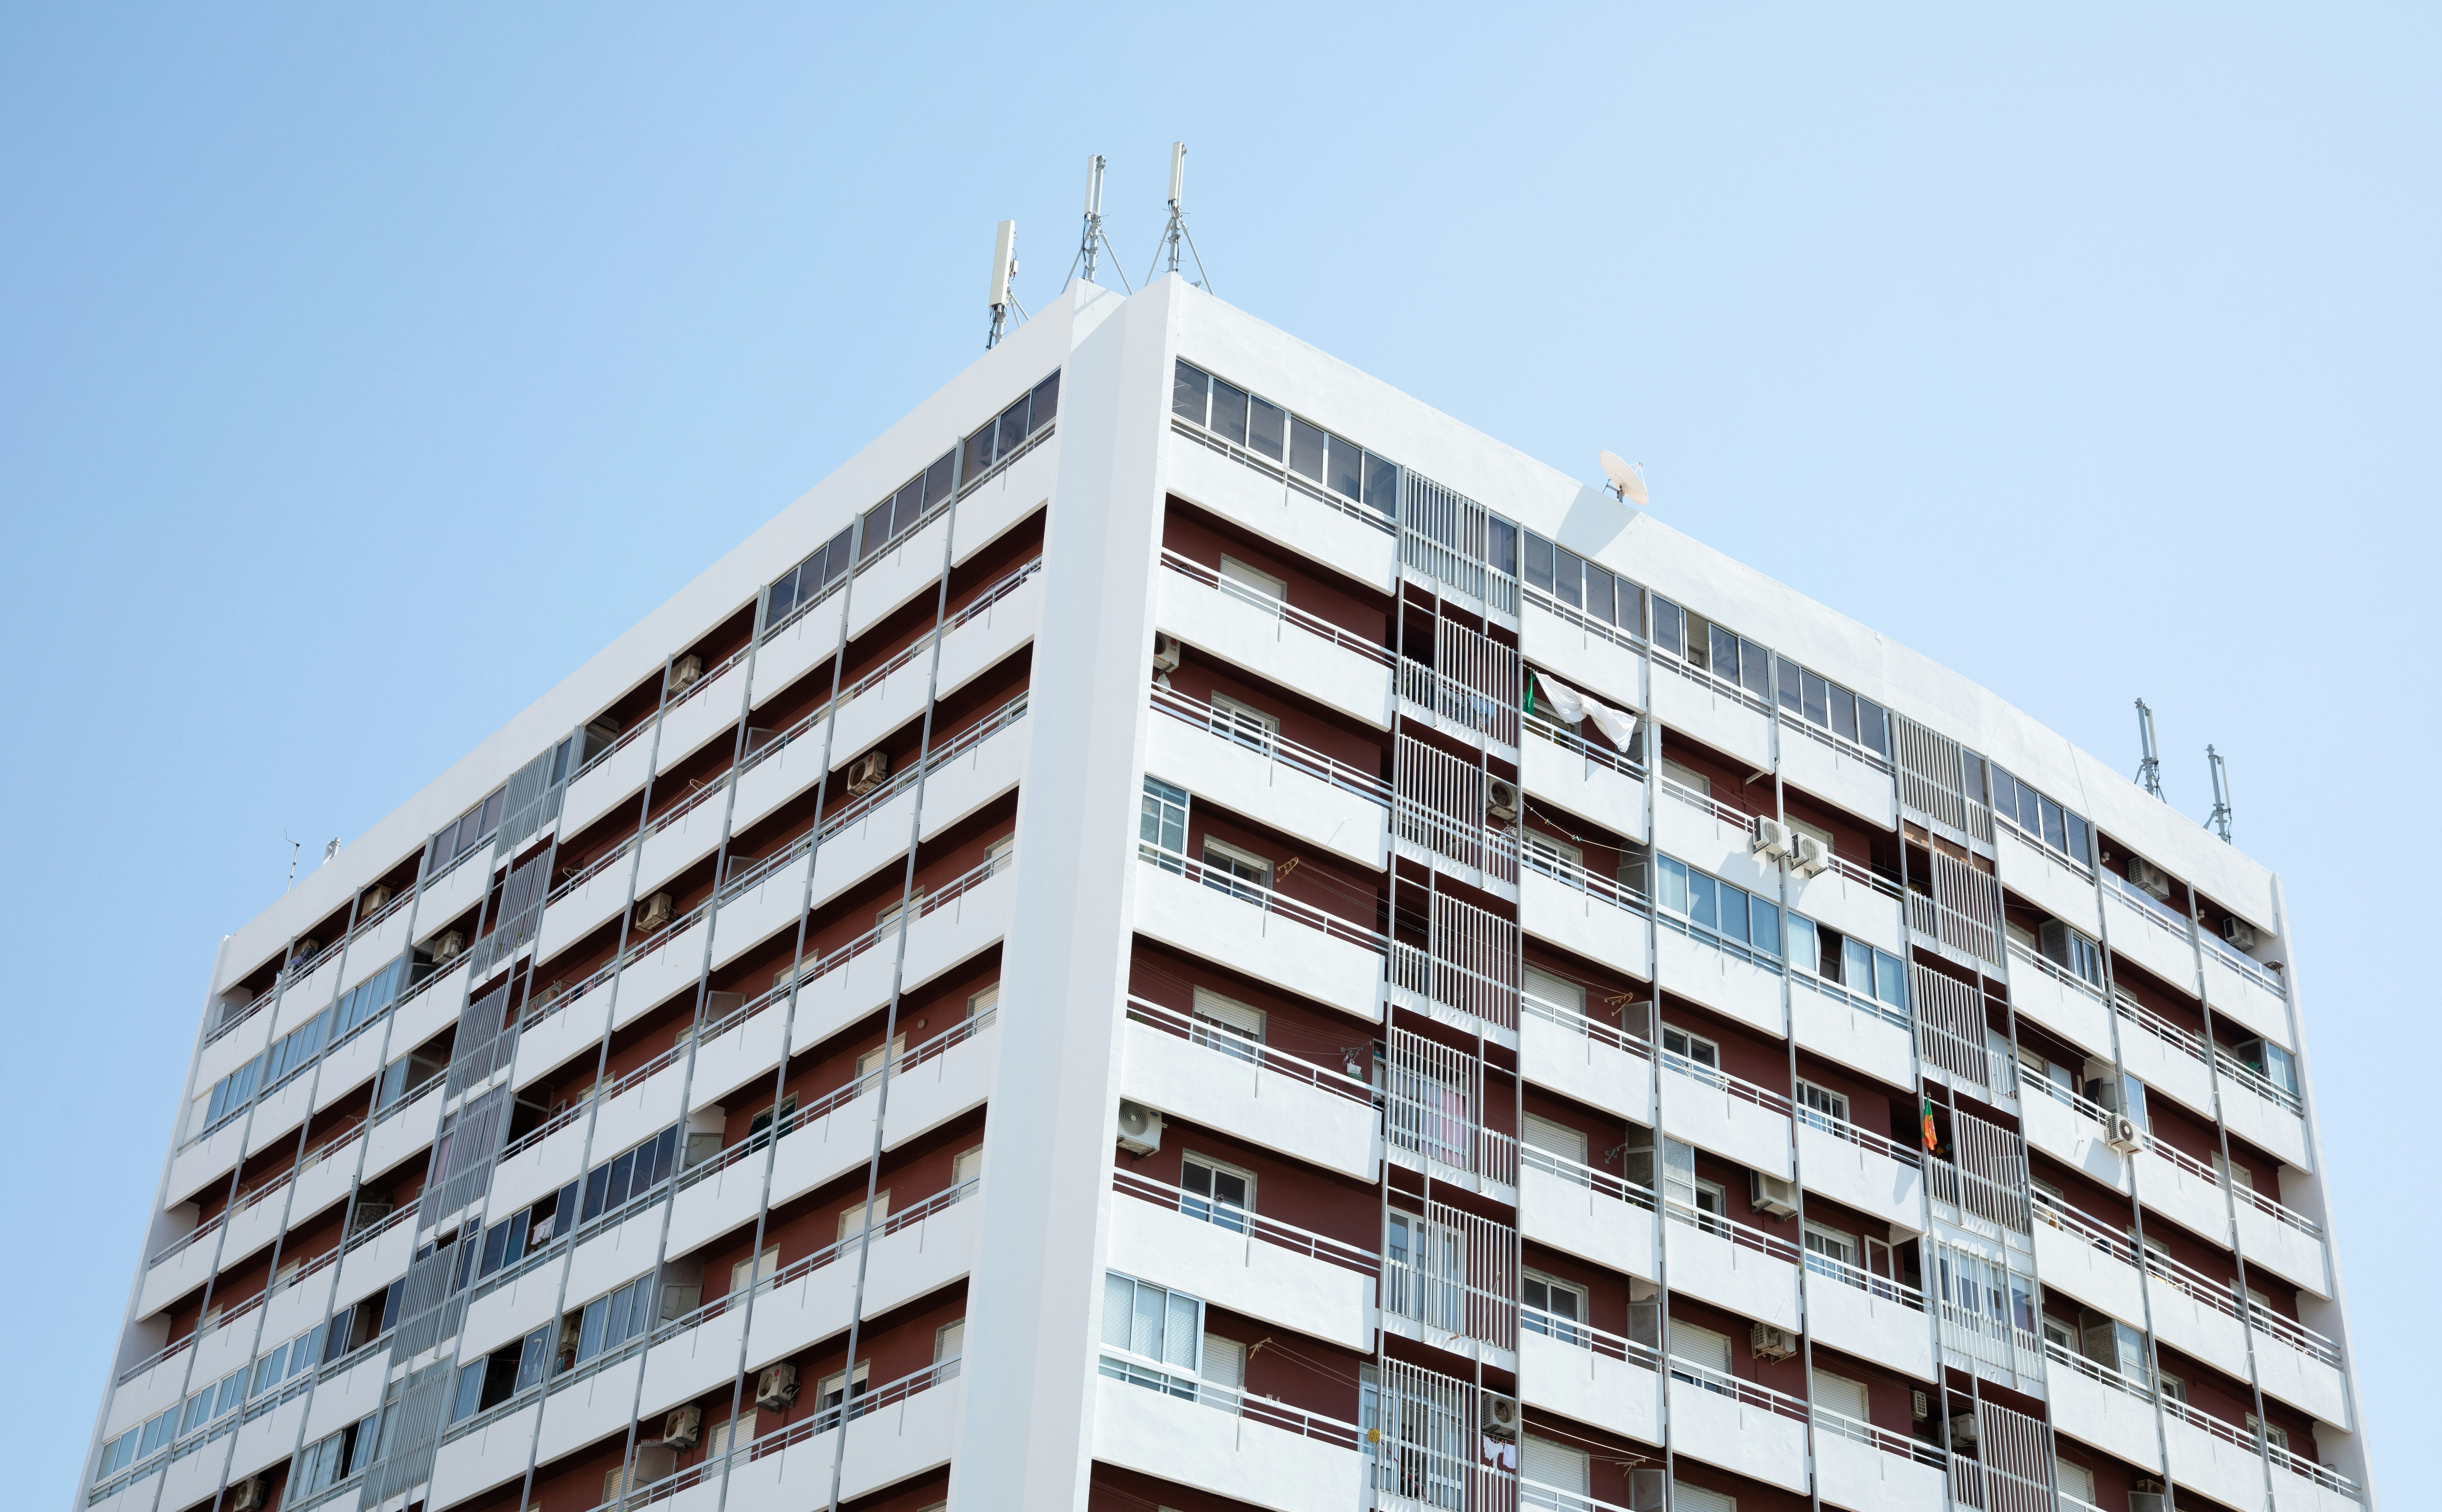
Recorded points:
(685, 672)
(377, 899)
(2146, 877)
(777, 1387)
(1776, 1195)
(1139, 1128)
(1165, 654)
(1962, 1431)
(1499, 1414)
(1771, 838)
(2238, 933)
(246, 1496)
(1813, 857)
(867, 771)
(681, 1430)
(1502, 801)
(449, 946)
(655, 913)
(2123, 1134)
(1772, 1341)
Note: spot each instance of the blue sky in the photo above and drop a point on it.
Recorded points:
(362, 371)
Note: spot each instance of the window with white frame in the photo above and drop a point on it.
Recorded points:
(1717, 908)
(1822, 1103)
(1220, 1194)
(852, 1223)
(1232, 870)
(1153, 1324)
(1252, 585)
(839, 1383)
(1830, 1243)
(1162, 825)
(1562, 1306)
(1694, 1048)
(1557, 990)
(1227, 1025)
(1244, 723)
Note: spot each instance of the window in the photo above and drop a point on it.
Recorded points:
(1551, 851)
(1222, 1195)
(839, 1382)
(949, 1341)
(717, 1442)
(1842, 1395)
(745, 1273)
(805, 582)
(1555, 1138)
(1564, 1307)
(969, 1166)
(1827, 706)
(1687, 777)
(1334, 461)
(997, 854)
(1227, 868)
(1581, 585)
(1557, 990)
(1252, 585)
(1699, 1200)
(1249, 727)
(2039, 818)
(1718, 908)
(2070, 951)
(607, 1322)
(2273, 1433)
(1161, 826)
(619, 1180)
(2074, 1480)
(1830, 1244)
(1227, 1025)
(1001, 436)
(870, 1064)
(851, 1222)
(1695, 1048)
(1152, 1323)
(1567, 1470)
(1822, 1103)
(1700, 1347)
(1685, 1498)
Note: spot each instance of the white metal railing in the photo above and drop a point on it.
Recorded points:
(1314, 625)
(1618, 894)
(1669, 660)
(1576, 1172)
(1454, 1272)
(2233, 1069)
(1271, 747)
(1256, 896)
(1707, 804)
(1745, 1236)
(779, 1440)
(2255, 972)
(1620, 635)
(1863, 1139)
(1280, 474)
(1441, 808)
(2057, 1213)
(1288, 1236)
(1800, 975)
(1222, 1041)
(2290, 1217)
(1578, 746)
(1579, 1023)
(1886, 1288)
(1899, 1445)
(2054, 969)
(1721, 1081)
(1264, 1409)
(1587, 1336)
(2007, 824)
(1746, 1393)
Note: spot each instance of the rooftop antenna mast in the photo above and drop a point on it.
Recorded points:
(2150, 771)
(2219, 818)
(1095, 240)
(1177, 232)
(1003, 269)
(294, 846)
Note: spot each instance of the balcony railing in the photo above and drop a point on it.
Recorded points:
(2058, 1214)
(1577, 1023)
(1884, 1288)
(1863, 1139)
(1896, 1017)
(2224, 1299)
(1899, 1445)
(2243, 1192)
(1743, 1235)
(1313, 625)
(2243, 1439)
(1261, 1410)
(1260, 898)
(2096, 1371)
(1745, 1392)
(812, 1426)
(2054, 969)
(1272, 1232)
(1575, 1172)
(1588, 1338)
(1577, 746)
(1721, 1081)
(1237, 1047)
(2249, 969)
(1624, 636)
(1609, 890)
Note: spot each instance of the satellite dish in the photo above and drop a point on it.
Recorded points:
(1626, 482)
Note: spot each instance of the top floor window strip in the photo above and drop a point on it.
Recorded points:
(1252, 422)
(2052, 825)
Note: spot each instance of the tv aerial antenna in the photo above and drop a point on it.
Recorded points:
(1177, 232)
(2219, 818)
(1095, 239)
(1627, 482)
(1004, 268)
(2150, 771)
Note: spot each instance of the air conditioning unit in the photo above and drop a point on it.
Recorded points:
(246, 1496)
(1776, 1195)
(681, 1430)
(2238, 933)
(605, 729)
(777, 1387)
(1771, 1342)
(2123, 1135)
(1813, 857)
(377, 899)
(1499, 1414)
(449, 946)
(655, 913)
(1962, 1431)
(2146, 877)
(1502, 801)
(866, 773)
(1165, 653)
(1771, 838)
(1139, 1128)
(685, 673)
(306, 949)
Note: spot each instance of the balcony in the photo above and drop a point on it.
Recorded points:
(1591, 1376)
(1749, 1430)
(1250, 1448)
(1861, 1168)
(1712, 836)
(1721, 714)
(2070, 1129)
(1248, 490)
(2079, 1255)
(1580, 1058)
(2149, 934)
(2247, 992)
(887, 697)
(1326, 803)
(2217, 1459)
(2069, 1006)
(1858, 1031)
(1583, 912)
(1871, 1317)
(1189, 1070)
(1246, 1262)
(1276, 940)
(1839, 771)
(1733, 1265)
(1854, 899)
(896, 1431)
(1584, 778)
(2048, 880)
(2094, 1404)
(2269, 1117)
(1601, 658)
(1870, 1469)
(1716, 1111)
(1730, 978)
(1582, 1212)
(2165, 1057)
(611, 778)
(805, 637)
(1273, 641)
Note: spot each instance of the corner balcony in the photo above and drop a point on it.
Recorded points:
(1731, 1264)
(1582, 1059)
(1721, 714)
(1251, 1449)
(1583, 912)
(1716, 1111)
(1870, 1469)
(1861, 1032)
(2217, 1459)
(2247, 992)
(1244, 1261)
(1590, 1376)
(1276, 940)
(1746, 1429)
(1326, 803)
(1187, 1069)
(1273, 641)
(1582, 1212)
(1862, 1169)
(1002, 619)
(1585, 777)
(1248, 490)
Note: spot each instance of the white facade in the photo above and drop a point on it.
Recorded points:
(1389, 986)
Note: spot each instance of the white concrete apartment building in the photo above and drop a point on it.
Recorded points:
(1232, 942)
